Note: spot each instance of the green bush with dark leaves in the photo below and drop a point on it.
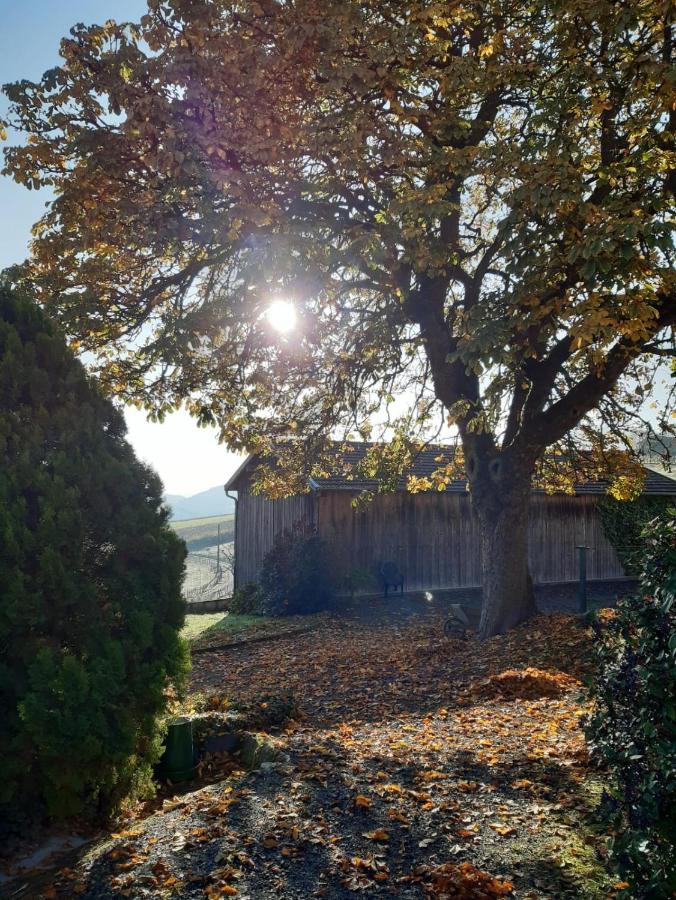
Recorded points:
(633, 726)
(246, 600)
(90, 586)
(623, 523)
(297, 575)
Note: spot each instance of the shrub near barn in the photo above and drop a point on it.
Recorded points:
(297, 576)
(90, 575)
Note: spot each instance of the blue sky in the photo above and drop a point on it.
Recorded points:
(188, 459)
(29, 45)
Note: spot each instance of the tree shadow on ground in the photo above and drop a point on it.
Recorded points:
(387, 720)
(300, 831)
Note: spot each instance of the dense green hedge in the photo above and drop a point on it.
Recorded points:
(623, 523)
(633, 726)
(90, 585)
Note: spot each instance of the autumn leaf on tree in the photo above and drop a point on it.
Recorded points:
(471, 211)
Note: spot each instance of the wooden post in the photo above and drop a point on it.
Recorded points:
(582, 586)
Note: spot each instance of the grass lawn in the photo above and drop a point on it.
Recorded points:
(181, 524)
(223, 625)
(200, 533)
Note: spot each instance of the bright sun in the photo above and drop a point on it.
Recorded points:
(282, 316)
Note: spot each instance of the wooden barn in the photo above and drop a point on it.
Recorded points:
(432, 536)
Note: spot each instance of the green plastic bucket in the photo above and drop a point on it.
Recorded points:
(178, 760)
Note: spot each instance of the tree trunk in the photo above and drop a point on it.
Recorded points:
(500, 496)
(508, 597)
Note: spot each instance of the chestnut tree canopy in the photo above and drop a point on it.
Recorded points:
(469, 204)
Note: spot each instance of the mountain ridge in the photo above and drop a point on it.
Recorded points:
(211, 502)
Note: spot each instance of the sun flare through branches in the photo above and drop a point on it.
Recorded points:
(281, 314)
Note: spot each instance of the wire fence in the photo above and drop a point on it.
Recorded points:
(208, 574)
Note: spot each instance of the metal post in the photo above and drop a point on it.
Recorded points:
(235, 582)
(582, 586)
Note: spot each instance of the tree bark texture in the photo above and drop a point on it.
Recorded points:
(501, 496)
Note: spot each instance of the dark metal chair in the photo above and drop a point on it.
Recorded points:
(390, 576)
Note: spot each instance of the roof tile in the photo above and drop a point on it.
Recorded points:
(428, 461)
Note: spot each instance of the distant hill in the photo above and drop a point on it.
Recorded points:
(212, 502)
(205, 532)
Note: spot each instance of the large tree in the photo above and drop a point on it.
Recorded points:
(469, 203)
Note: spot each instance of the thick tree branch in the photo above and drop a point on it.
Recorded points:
(551, 425)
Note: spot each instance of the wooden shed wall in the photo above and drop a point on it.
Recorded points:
(557, 526)
(259, 520)
(434, 538)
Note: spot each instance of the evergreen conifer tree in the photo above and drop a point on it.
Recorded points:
(90, 583)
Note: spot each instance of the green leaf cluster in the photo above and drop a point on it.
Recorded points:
(633, 725)
(623, 523)
(90, 585)
(246, 600)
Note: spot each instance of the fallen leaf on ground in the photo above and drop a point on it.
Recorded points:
(379, 834)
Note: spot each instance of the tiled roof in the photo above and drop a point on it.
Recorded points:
(434, 457)
(655, 483)
(425, 463)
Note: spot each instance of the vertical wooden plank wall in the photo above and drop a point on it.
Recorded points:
(259, 520)
(434, 538)
(558, 525)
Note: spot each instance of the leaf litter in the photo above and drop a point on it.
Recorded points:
(418, 766)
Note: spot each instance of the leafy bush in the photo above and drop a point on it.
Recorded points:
(633, 726)
(90, 575)
(296, 576)
(356, 579)
(623, 523)
(246, 600)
